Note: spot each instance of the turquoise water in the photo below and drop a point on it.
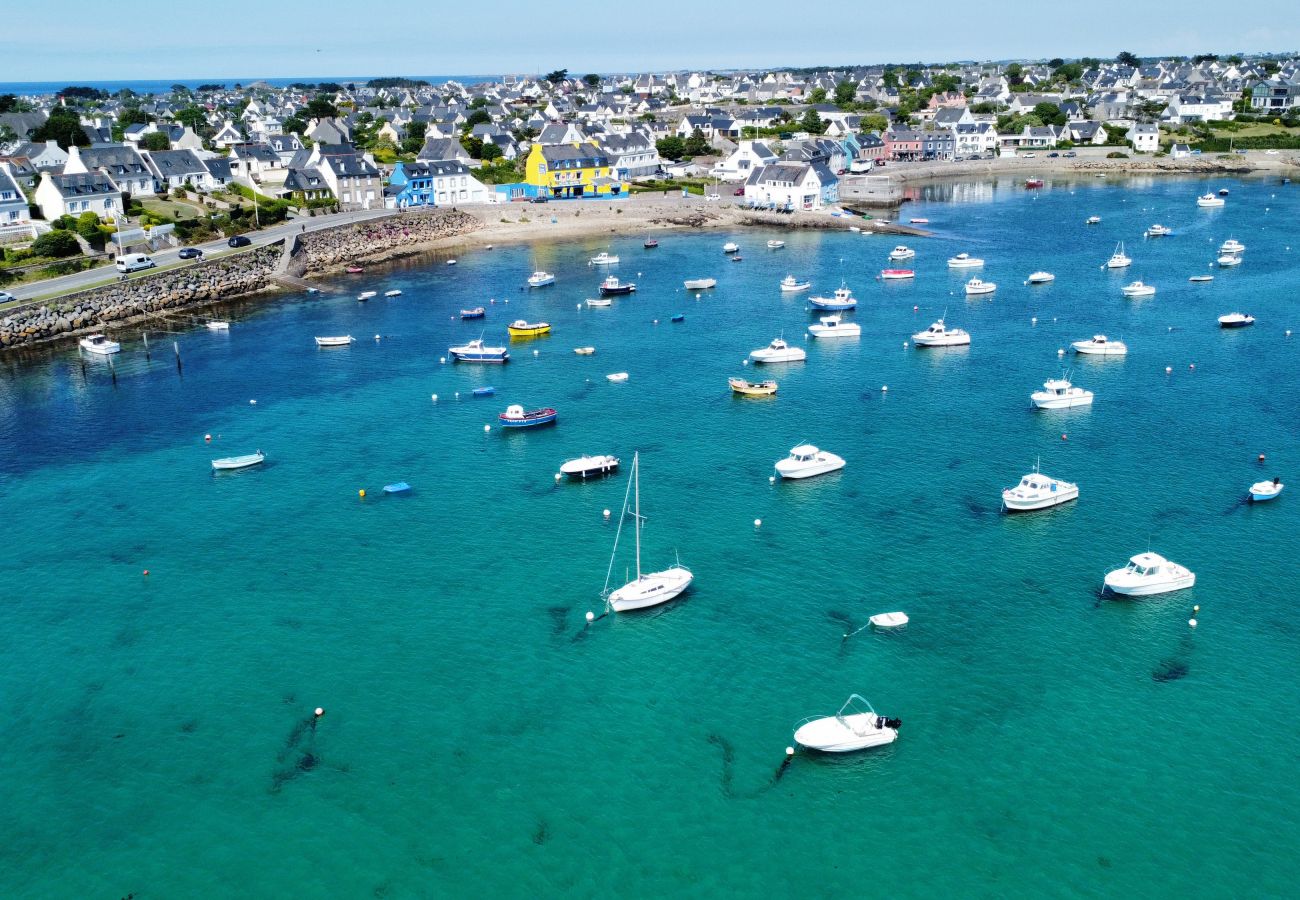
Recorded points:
(477, 739)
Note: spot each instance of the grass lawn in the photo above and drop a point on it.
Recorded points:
(173, 209)
(34, 275)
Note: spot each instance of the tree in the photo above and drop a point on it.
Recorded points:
(1125, 58)
(7, 103)
(156, 140)
(1015, 74)
(557, 76)
(414, 140)
(56, 244)
(477, 117)
(490, 152)
(321, 108)
(7, 134)
(180, 89)
(811, 122)
(1055, 63)
(671, 147)
(874, 122)
(88, 228)
(293, 125)
(1050, 113)
(64, 127)
(192, 116)
(818, 95)
(1068, 72)
(591, 80)
(845, 93)
(697, 144)
(133, 115)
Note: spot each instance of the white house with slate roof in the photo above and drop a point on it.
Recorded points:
(785, 186)
(13, 202)
(74, 194)
(122, 163)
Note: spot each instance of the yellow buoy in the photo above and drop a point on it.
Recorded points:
(361, 493)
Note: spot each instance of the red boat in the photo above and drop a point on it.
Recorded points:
(896, 274)
(355, 270)
(1033, 182)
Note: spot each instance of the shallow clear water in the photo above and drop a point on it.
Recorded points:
(478, 739)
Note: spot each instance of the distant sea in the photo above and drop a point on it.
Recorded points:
(164, 86)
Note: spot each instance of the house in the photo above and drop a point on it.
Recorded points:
(443, 150)
(975, 139)
(227, 136)
(284, 146)
(354, 180)
(632, 155)
(256, 163)
(903, 144)
(328, 131)
(1144, 138)
(48, 155)
(445, 183)
(74, 194)
(1184, 108)
(790, 186)
(950, 117)
(122, 163)
(21, 170)
(1093, 133)
(220, 172)
(1180, 151)
(870, 146)
(305, 185)
(173, 169)
(1274, 97)
(571, 170)
(13, 202)
(748, 156)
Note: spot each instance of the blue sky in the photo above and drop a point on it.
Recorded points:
(128, 39)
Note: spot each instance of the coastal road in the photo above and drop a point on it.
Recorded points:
(169, 260)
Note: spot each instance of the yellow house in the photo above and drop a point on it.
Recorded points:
(570, 170)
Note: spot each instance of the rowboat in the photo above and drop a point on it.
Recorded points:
(752, 388)
(599, 302)
(218, 326)
(487, 391)
(355, 270)
(617, 377)
(239, 462)
(896, 274)
(699, 284)
(477, 312)
(516, 416)
(397, 487)
(366, 295)
(520, 328)
(393, 293)
(584, 351)
(339, 341)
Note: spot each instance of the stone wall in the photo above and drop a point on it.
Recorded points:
(191, 286)
(398, 235)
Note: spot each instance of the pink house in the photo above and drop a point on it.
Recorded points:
(903, 144)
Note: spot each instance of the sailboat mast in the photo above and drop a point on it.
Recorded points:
(636, 475)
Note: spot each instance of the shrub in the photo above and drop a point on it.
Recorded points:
(56, 244)
(1115, 154)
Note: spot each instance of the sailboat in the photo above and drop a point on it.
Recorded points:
(648, 589)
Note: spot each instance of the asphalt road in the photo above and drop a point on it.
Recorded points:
(65, 284)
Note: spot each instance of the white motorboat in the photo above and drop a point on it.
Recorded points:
(337, 341)
(1058, 393)
(1149, 573)
(1201, 278)
(855, 727)
(964, 261)
(477, 351)
(217, 325)
(902, 252)
(699, 284)
(790, 284)
(603, 259)
(1209, 201)
(1038, 491)
(393, 293)
(1265, 490)
(97, 343)
(239, 462)
(890, 621)
(1100, 345)
(366, 295)
(1158, 231)
(600, 302)
(775, 245)
(1119, 259)
(940, 335)
(842, 299)
(835, 327)
(1093, 220)
(778, 352)
(589, 466)
(616, 377)
(976, 287)
(584, 351)
(730, 247)
(1232, 245)
(649, 589)
(805, 461)
(1228, 260)
(1236, 320)
(1040, 278)
(540, 279)
(1139, 289)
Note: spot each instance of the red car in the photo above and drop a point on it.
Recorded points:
(738, 192)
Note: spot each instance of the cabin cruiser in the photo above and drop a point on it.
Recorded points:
(1236, 320)
(855, 727)
(611, 286)
(901, 252)
(97, 343)
(1265, 490)
(1040, 278)
(835, 327)
(778, 352)
(805, 461)
(603, 259)
(939, 335)
(1228, 260)
(1037, 491)
(1139, 289)
(1232, 245)
(1058, 393)
(1159, 231)
(475, 351)
(975, 287)
(964, 261)
(1119, 259)
(589, 466)
(1209, 201)
(1100, 345)
(1093, 220)
(730, 247)
(540, 279)
(843, 299)
(790, 284)
(1149, 573)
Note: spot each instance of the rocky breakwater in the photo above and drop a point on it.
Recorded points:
(141, 298)
(399, 235)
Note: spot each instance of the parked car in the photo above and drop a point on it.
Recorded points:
(738, 192)
(540, 198)
(190, 253)
(239, 241)
(6, 297)
(1070, 154)
(1053, 155)
(1029, 155)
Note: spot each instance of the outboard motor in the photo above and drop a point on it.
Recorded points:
(893, 723)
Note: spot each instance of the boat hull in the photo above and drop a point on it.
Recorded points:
(798, 286)
(752, 389)
(844, 734)
(617, 291)
(783, 356)
(529, 420)
(947, 340)
(840, 331)
(238, 462)
(1026, 504)
(700, 284)
(1090, 349)
(488, 358)
(530, 331)
(1053, 402)
(590, 467)
(821, 467)
(1265, 491)
(651, 590)
(1148, 589)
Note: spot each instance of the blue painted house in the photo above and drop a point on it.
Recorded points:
(442, 183)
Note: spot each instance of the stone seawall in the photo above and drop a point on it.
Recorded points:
(195, 285)
(399, 235)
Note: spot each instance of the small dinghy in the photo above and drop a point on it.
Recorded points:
(451, 262)
(888, 621)
(617, 377)
(218, 326)
(339, 341)
(393, 293)
(239, 462)
(650, 244)
(366, 295)
(775, 245)
(589, 466)
(355, 270)
(1265, 490)
(678, 318)
(855, 727)
(584, 351)
(477, 312)
(599, 302)
(1201, 278)
(487, 391)
(699, 284)
(397, 487)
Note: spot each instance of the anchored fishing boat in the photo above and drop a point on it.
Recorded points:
(516, 416)
(752, 388)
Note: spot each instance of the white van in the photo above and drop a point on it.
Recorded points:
(130, 262)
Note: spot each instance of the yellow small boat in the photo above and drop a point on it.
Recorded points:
(752, 388)
(520, 328)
